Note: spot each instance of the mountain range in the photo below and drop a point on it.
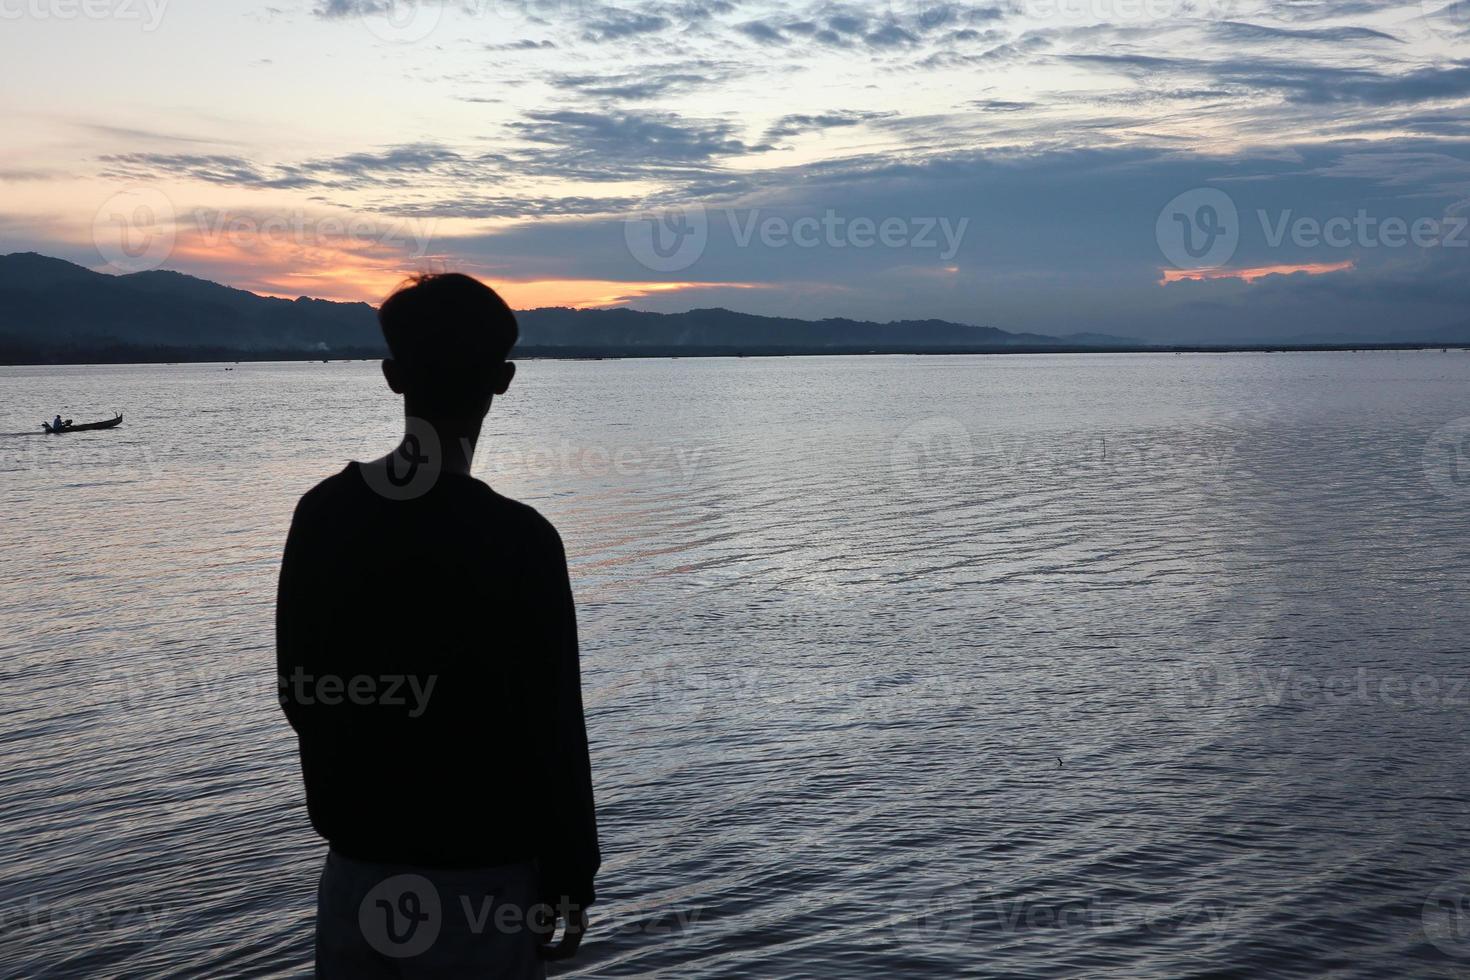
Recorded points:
(54, 311)
(51, 309)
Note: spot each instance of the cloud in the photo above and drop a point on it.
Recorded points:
(1442, 122)
(22, 174)
(761, 31)
(642, 86)
(524, 44)
(394, 166)
(478, 206)
(409, 158)
(143, 135)
(1000, 105)
(795, 125)
(1395, 168)
(1297, 82)
(1060, 139)
(614, 25)
(890, 36)
(210, 168)
(1052, 233)
(1307, 10)
(339, 9)
(624, 145)
(1256, 273)
(1236, 31)
(609, 145)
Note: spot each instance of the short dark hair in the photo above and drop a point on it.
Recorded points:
(439, 325)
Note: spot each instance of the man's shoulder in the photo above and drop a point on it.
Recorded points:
(347, 489)
(535, 523)
(332, 489)
(343, 488)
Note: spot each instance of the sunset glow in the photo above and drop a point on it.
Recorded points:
(1255, 273)
(590, 294)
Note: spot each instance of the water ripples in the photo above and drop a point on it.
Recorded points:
(1028, 666)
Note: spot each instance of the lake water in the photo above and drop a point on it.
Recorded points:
(1029, 666)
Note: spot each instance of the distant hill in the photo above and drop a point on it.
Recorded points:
(50, 309)
(625, 328)
(49, 303)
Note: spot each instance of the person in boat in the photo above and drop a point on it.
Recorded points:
(56, 424)
(426, 653)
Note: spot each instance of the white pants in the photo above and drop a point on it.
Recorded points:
(384, 920)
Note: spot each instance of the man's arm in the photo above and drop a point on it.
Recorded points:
(298, 630)
(570, 855)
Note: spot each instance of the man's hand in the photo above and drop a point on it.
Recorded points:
(576, 925)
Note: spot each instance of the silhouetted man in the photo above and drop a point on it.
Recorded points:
(427, 653)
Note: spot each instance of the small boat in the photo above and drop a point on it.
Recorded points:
(67, 426)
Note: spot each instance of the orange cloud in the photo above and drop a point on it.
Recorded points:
(584, 294)
(1254, 273)
(346, 269)
(343, 271)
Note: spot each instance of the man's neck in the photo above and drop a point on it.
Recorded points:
(453, 440)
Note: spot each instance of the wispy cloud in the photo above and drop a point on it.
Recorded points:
(615, 25)
(1255, 273)
(796, 124)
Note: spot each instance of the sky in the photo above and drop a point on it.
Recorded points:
(1183, 170)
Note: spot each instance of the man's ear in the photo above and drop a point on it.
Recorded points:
(394, 378)
(503, 374)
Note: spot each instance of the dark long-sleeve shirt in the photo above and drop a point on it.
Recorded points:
(427, 653)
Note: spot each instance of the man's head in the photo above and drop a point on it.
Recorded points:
(448, 337)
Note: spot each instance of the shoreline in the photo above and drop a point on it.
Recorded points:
(206, 355)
